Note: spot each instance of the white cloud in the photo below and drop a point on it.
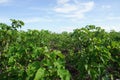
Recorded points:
(62, 29)
(113, 18)
(4, 20)
(62, 1)
(4, 1)
(39, 8)
(36, 8)
(31, 20)
(75, 9)
(26, 20)
(68, 29)
(36, 20)
(111, 27)
(66, 8)
(106, 6)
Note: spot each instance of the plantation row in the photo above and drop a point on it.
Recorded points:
(88, 53)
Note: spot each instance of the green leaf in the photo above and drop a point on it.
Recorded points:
(40, 74)
(86, 66)
(64, 74)
(32, 68)
(59, 54)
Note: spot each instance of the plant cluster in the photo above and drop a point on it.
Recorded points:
(88, 53)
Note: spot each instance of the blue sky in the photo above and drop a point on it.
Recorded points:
(62, 15)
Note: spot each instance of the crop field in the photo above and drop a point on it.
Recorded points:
(88, 53)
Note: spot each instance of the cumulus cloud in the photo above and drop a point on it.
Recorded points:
(68, 29)
(62, 1)
(106, 6)
(36, 20)
(111, 27)
(73, 8)
(4, 20)
(4, 1)
(113, 18)
(66, 8)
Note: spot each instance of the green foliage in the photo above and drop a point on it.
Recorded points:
(94, 54)
(16, 23)
(88, 53)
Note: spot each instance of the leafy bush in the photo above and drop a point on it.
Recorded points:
(88, 53)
